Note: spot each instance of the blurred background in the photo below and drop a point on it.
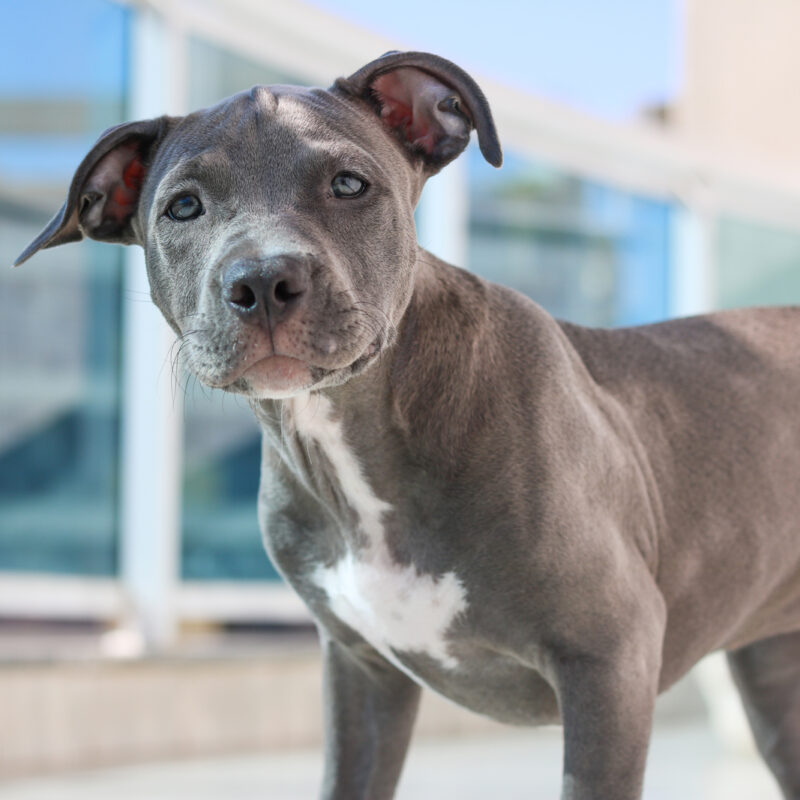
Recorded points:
(652, 170)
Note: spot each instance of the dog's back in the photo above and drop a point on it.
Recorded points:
(715, 402)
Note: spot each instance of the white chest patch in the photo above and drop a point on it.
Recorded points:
(394, 607)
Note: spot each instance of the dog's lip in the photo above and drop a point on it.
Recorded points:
(370, 353)
(278, 373)
(282, 365)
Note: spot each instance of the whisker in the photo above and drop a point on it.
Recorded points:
(174, 357)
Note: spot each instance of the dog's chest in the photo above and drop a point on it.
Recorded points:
(394, 606)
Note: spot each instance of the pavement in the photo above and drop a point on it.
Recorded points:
(686, 763)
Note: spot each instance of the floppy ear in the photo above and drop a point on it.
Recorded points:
(428, 103)
(104, 193)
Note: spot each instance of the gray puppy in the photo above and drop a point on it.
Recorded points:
(539, 521)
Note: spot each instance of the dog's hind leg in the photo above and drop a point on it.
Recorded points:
(767, 674)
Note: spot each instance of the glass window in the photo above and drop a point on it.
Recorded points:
(216, 73)
(586, 252)
(757, 264)
(59, 314)
(221, 539)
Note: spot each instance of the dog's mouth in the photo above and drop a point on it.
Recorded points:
(277, 376)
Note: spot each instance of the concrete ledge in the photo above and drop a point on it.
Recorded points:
(65, 715)
(60, 716)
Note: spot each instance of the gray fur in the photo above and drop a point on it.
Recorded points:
(616, 503)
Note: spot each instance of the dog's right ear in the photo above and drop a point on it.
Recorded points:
(104, 194)
(428, 104)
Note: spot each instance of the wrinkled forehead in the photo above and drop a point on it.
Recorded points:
(284, 127)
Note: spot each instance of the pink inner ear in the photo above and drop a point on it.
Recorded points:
(118, 177)
(123, 197)
(400, 94)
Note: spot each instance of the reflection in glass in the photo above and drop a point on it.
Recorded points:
(59, 315)
(586, 252)
(758, 265)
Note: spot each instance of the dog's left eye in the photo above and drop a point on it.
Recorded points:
(347, 185)
(185, 207)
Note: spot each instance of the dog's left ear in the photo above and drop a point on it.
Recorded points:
(104, 194)
(429, 104)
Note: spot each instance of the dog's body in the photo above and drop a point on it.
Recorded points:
(540, 521)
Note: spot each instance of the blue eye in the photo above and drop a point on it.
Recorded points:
(346, 185)
(185, 207)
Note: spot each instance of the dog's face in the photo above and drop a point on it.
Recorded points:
(280, 244)
(278, 225)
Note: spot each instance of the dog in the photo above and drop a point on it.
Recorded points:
(540, 521)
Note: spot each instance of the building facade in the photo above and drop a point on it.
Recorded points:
(127, 491)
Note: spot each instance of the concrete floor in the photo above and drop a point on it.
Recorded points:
(685, 762)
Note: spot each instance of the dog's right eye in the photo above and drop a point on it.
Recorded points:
(346, 185)
(185, 207)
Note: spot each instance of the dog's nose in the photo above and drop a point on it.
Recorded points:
(265, 291)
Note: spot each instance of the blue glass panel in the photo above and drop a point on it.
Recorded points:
(585, 251)
(59, 314)
(757, 264)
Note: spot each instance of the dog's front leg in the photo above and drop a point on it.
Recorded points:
(607, 709)
(370, 708)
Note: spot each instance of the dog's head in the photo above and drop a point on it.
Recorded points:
(278, 225)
